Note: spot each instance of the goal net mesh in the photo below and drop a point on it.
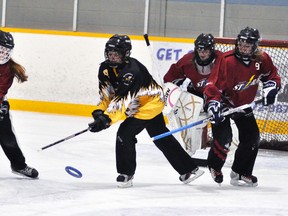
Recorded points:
(272, 120)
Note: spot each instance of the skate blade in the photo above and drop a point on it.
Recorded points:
(24, 176)
(194, 177)
(242, 183)
(125, 184)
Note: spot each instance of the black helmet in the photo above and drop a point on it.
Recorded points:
(248, 35)
(206, 42)
(6, 40)
(120, 44)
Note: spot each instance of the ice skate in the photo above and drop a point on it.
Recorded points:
(191, 176)
(27, 172)
(243, 180)
(217, 176)
(124, 181)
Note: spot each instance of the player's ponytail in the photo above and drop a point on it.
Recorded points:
(19, 71)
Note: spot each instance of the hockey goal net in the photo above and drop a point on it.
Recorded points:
(272, 120)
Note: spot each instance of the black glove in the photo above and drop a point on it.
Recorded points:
(101, 121)
(97, 113)
(4, 109)
(214, 109)
(270, 91)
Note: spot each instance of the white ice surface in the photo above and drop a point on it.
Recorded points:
(156, 191)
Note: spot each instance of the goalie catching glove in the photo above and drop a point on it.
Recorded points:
(101, 121)
(214, 109)
(270, 90)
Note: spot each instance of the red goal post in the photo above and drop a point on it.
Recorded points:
(272, 120)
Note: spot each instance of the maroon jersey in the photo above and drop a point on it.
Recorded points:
(6, 79)
(237, 83)
(187, 67)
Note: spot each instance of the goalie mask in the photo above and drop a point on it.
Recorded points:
(6, 46)
(204, 49)
(247, 43)
(117, 50)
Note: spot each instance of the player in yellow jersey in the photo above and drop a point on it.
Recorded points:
(127, 90)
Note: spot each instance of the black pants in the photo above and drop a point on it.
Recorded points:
(246, 152)
(170, 147)
(9, 144)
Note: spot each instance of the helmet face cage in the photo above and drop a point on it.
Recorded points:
(120, 44)
(204, 42)
(6, 46)
(248, 35)
(5, 54)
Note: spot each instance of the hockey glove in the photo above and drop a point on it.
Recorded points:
(270, 91)
(178, 82)
(214, 109)
(101, 121)
(4, 109)
(97, 113)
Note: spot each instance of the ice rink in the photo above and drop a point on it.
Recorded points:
(156, 191)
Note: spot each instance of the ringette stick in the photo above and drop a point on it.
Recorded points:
(64, 139)
(156, 74)
(229, 112)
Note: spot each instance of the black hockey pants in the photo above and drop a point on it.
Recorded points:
(9, 144)
(246, 152)
(170, 147)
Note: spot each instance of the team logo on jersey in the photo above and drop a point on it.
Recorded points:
(128, 79)
(246, 84)
(106, 73)
(201, 83)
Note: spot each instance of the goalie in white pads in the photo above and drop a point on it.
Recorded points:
(184, 103)
(181, 109)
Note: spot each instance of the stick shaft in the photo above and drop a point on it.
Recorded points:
(155, 74)
(160, 136)
(64, 139)
(229, 112)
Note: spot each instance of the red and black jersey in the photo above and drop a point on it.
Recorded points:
(6, 79)
(186, 67)
(236, 81)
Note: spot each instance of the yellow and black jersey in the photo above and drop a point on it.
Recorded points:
(129, 91)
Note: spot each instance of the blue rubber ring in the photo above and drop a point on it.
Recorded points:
(73, 172)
